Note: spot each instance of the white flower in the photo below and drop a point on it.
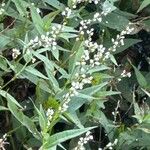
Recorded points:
(116, 141)
(3, 4)
(109, 144)
(67, 12)
(129, 74)
(77, 85)
(126, 74)
(36, 39)
(44, 40)
(122, 42)
(2, 8)
(15, 53)
(38, 10)
(96, 15)
(96, 1)
(33, 60)
(1, 11)
(49, 113)
(82, 32)
(107, 55)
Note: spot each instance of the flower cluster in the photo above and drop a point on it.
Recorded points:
(75, 2)
(119, 41)
(49, 114)
(48, 40)
(110, 145)
(2, 10)
(67, 12)
(92, 53)
(86, 62)
(44, 41)
(3, 142)
(77, 84)
(83, 141)
(97, 17)
(81, 80)
(84, 23)
(126, 74)
(15, 53)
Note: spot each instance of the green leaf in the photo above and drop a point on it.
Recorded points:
(42, 118)
(147, 22)
(67, 36)
(109, 128)
(112, 58)
(45, 60)
(51, 103)
(3, 108)
(3, 64)
(115, 21)
(26, 121)
(20, 4)
(97, 68)
(147, 93)
(52, 80)
(4, 41)
(78, 102)
(77, 50)
(74, 118)
(55, 3)
(81, 95)
(107, 93)
(9, 98)
(47, 20)
(146, 118)
(35, 72)
(63, 136)
(61, 70)
(108, 5)
(140, 78)
(37, 81)
(144, 4)
(28, 55)
(66, 28)
(37, 20)
(125, 89)
(56, 54)
(127, 43)
(146, 130)
(138, 114)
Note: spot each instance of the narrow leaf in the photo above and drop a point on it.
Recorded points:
(144, 4)
(63, 136)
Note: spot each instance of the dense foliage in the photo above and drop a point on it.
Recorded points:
(74, 74)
